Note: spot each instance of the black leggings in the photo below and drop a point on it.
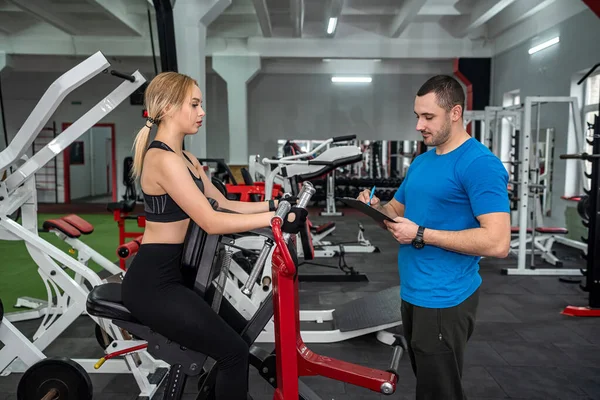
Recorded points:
(154, 292)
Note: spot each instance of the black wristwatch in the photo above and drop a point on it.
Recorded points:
(418, 242)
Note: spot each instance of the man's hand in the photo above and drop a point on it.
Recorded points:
(403, 230)
(364, 197)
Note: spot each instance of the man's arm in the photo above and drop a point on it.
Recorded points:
(491, 239)
(484, 181)
(392, 208)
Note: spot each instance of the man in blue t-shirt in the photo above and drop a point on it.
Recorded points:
(451, 209)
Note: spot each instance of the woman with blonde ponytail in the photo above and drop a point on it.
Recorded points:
(175, 190)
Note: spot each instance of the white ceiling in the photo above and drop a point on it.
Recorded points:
(284, 29)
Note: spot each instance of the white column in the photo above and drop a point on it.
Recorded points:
(237, 71)
(191, 19)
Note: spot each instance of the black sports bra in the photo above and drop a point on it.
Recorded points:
(162, 208)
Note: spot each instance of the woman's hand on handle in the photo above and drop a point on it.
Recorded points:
(295, 219)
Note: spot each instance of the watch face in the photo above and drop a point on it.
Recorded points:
(418, 244)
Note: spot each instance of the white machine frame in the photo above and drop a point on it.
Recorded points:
(246, 297)
(38, 307)
(262, 169)
(541, 242)
(18, 191)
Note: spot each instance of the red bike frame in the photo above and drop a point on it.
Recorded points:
(294, 358)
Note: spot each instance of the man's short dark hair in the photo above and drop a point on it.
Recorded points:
(448, 91)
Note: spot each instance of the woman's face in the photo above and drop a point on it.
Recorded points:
(190, 115)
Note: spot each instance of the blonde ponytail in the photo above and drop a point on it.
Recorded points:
(140, 145)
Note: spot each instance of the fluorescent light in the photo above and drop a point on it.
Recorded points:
(331, 25)
(351, 79)
(544, 45)
(351, 59)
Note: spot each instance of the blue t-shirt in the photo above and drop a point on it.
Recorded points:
(448, 192)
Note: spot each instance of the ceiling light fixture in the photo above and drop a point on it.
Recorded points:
(544, 45)
(351, 79)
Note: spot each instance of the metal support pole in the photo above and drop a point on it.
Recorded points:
(536, 182)
(524, 184)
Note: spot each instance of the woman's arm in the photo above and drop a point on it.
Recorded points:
(174, 178)
(241, 207)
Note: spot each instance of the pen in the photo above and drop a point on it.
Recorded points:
(371, 196)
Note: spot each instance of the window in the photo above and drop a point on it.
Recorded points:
(591, 100)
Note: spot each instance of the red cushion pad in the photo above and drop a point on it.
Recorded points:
(62, 226)
(558, 231)
(79, 223)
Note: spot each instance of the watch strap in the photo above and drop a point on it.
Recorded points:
(420, 232)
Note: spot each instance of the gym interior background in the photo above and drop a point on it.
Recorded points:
(266, 70)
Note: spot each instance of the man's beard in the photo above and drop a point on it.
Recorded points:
(441, 137)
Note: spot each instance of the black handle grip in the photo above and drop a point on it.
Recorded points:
(572, 156)
(582, 156)
(400, 347)
(122, 75)
(343, 138)
(318, 162)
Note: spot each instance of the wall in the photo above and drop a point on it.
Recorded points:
(281, 106)
(309, 106)
(551, 72)
(217, 122)
(81, 184)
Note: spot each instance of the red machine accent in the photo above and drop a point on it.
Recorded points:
(128, 249)
(291, 351)
(126, 351)
(246, 190)
(594, 5)
(469, 86)
(120, 217)
(581, 311)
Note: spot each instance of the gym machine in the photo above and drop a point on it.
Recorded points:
(69, 229)
(529, 191)
(291, 171)
(249, 285)
(592, 210)
(18, 192)
(204, 270)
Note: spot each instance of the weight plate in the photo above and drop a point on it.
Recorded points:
(100, 337)
(1, 311)
(583, 206)
(66, 377)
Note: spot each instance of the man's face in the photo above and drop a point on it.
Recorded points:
(433, 122)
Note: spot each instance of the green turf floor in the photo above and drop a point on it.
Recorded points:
(18, 272)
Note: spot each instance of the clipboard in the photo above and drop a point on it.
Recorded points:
(366, 209)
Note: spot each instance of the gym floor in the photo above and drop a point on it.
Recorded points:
(522, 348)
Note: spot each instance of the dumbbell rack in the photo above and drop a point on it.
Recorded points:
(592, 282)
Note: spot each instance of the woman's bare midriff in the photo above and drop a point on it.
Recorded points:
(165, 232)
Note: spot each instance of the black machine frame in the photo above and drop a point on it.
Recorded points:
(592, 272)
